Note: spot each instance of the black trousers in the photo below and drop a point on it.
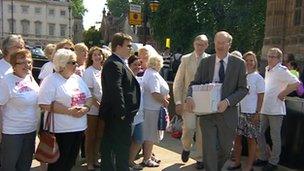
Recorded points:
(115, 145)
(69, 144)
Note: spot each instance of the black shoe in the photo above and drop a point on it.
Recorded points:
(199, 165)
(260, 163)
(234, 167)
(185, 156)
(270, 167)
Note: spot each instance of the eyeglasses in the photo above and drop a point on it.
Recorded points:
(271, 56)
(23, 63)
(72, 49)
(72, 62)
(129, 46)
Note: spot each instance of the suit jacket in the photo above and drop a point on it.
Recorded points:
(185, 74)
(121, 91)
(234, 87)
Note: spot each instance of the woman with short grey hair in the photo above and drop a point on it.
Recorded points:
(70, 98)
(10, 44)
(155, 95)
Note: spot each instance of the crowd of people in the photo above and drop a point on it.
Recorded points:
(106, 103)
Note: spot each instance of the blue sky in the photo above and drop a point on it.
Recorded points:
(94, 14)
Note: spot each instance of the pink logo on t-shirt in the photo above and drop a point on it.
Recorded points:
(22, 87)
(78, 98)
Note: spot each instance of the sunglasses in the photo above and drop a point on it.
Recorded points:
(72, 62)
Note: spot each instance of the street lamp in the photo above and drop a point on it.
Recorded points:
(153, 4)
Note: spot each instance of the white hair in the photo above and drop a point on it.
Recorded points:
(62, 57)
(155, 62)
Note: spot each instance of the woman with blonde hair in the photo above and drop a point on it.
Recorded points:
(48, 67)
(81, 51)
(155, 95)
(18, 104)
(92, 77)
(249, 119)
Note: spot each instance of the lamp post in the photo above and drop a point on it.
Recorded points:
(12, 13)
(153, 4)
(69, 20)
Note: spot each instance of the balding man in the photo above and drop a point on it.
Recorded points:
(184, 75)
(218, 129)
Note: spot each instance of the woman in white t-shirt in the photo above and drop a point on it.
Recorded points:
(92, 77)
(249, 122)
(155, 95)
(48, 67)
(18, 102)
(72, 100)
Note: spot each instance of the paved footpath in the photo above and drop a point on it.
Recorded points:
(168, 151)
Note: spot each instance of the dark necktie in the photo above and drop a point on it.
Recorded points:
(222, 71)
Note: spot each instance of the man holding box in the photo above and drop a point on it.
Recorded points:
(184, 75)
(218, 129)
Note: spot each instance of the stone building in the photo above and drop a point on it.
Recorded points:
(284, 27)
(38, 21)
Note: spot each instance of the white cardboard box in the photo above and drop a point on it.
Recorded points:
(206, 97)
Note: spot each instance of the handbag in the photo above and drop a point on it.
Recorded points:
(175, 124)
(163, 119)
(48, 150)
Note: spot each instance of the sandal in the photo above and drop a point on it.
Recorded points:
(150, 163)
(155, 159)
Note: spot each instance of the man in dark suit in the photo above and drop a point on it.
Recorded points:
(218, 130)
(120, 103)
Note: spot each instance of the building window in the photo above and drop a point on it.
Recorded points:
(12, 25)
(51, 29)
(63, 28)
(51, 12)
(24, 9)
(297, 13)
(62, 13)
(38, 28)
(11, 7)
(25, 24)
(37, 10)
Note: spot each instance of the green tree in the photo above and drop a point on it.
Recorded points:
(118, 7)
(78, 8)
(92, 37)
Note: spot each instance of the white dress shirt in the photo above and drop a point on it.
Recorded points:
(216, 77)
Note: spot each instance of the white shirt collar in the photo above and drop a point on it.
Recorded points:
(217, 59)
(125, 61)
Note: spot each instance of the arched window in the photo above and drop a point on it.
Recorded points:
(38, 28)
(25, 24)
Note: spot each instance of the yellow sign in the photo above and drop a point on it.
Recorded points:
(168, 41)
(135, 18)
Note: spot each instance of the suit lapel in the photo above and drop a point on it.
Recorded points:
(211, 68)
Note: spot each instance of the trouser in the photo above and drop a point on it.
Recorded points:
(115, 145)
(217, 142)
(190, 126)
(68, 144)
(275, 123)
(93, 137)
(17, 151)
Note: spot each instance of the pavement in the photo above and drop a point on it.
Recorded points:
(168, 151)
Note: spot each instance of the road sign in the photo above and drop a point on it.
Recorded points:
(135, 8)
(135, 18)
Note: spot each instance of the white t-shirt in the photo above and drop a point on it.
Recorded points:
(92, 77)
(19, 100)
(46, 70)
(80, 70)
(153, 82)
(256, 85)
(69, 92)
(5, 67)
(276, 80)
(139, 117)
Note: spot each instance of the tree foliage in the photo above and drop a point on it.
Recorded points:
(92, 37)
(183, 20)
(78, 8)
(118, 7)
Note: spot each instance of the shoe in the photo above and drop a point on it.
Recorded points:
(135, 166)
(234, 167)
(270, 167)
(155, 159)
(185, 156)
(150, 163)
(199, 165)
(260, 163)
